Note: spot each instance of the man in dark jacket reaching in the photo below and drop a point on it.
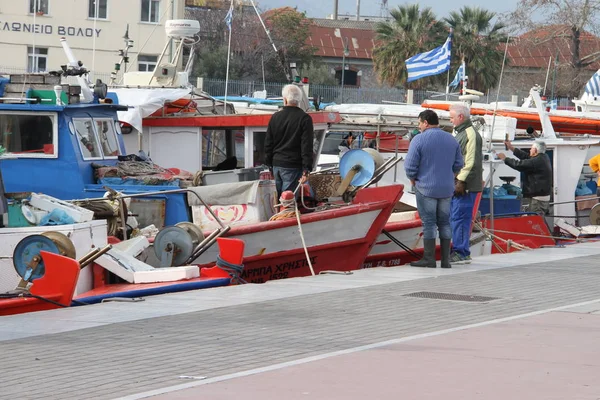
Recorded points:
(537, 182)
(289, 142)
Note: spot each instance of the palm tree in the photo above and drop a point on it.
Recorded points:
(412, 31)
(480, 43)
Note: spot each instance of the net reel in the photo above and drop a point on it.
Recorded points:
(27, 260)
(358, 167)
(173, 245)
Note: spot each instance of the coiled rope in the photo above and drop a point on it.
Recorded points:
(288, 212)
(234, 270)
(103, 208)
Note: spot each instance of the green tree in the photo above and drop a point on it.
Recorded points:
(318, 74)
(290, 31)
(412, 31)
(211, 62)
(480, 43)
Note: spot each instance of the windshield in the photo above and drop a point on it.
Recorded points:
(27, 135)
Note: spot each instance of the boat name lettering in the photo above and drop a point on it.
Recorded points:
(278, 269)
(249, 273)
(383, 263)
(49, 29)
(287, 266)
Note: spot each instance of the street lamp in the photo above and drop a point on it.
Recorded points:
(345, 54)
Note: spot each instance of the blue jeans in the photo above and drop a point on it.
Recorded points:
(286, 179)
(434, 213)
(460, 219)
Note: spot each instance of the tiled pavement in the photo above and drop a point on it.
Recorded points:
(117, 350)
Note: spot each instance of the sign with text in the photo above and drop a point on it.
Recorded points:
(47, 29)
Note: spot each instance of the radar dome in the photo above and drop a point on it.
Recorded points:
(182, 27)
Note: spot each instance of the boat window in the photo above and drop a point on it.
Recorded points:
(86, 137)
(240, 145)
(318, 140)
(108, 137)
(28, 135)
(259, 148)
(222, 149)
(213, 147)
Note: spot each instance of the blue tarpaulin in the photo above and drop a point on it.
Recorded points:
(3, 82)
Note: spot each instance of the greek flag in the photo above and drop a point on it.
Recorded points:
(593, 86)
(229, 16)
(460, 73)
(433, 62)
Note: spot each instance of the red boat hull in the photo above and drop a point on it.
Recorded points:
(346, 255)
(528, 230)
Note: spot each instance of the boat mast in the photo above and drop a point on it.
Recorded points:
(281, 57)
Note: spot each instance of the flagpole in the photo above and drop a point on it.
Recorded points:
(447, 84)
(230, 15)
(448, 74)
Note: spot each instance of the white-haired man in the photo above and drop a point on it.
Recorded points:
(469, 183)
(289, 142)
(537, 169)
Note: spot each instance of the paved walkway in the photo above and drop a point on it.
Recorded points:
(533, 335)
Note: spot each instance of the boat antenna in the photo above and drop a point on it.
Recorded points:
(124, 57)
(489, 145)
(547, 74)
(78, 70)
(491, 158)
(281, 56)
(96, 11)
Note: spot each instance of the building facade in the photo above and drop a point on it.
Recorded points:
(30, 33)
(346, 45)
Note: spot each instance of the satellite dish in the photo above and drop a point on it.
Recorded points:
(178, 28)
(468, 97)
(474, 92)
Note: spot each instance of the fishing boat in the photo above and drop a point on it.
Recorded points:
(508, 229)
(583, 119)
(79, 144)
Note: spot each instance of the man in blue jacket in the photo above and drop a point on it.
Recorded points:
(433, 160)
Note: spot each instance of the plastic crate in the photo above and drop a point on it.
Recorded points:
(508, 204)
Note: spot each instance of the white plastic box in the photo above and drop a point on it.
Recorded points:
(47, 203)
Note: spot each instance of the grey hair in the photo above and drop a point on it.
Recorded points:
(461, 109)
(540, 146)
(292, 93)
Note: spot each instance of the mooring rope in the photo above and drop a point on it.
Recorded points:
(234, 270)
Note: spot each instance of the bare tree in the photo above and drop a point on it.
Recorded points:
(564, 23)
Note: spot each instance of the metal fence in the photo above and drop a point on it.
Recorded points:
(349, 94)
(328, 93)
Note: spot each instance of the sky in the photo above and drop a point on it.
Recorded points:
(322, 8)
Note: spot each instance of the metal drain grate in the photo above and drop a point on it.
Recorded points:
(451, 296)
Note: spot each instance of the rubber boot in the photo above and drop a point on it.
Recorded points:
(428, 259)
(445, 245)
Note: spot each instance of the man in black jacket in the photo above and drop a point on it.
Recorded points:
(537, 182)
(289, 142)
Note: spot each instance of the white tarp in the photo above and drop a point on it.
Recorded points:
(143, 102)
(225, 193)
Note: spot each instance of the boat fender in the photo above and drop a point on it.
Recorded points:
(287, 199)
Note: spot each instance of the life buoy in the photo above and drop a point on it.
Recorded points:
(182, 105)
